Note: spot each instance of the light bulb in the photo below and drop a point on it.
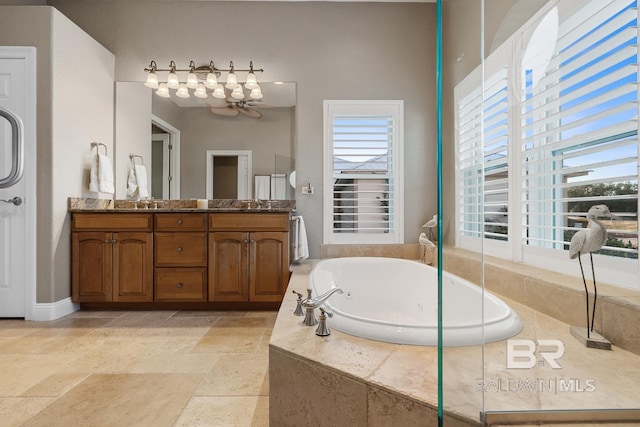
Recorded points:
(172, 81)
(211, 81)
(192, 80)
(256, 93)
(152, 80)
(163, 90)
(237, 93)
(183, 92)
(232, 81)
(252, 82)
(200, 92)
(218, 92)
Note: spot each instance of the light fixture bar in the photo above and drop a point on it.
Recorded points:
(203, 68)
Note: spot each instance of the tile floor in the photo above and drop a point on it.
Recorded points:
(136, 368)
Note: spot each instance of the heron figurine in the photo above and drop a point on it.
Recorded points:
(589, 240)
(425, 243)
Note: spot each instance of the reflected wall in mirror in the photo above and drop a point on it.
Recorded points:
(265, 127)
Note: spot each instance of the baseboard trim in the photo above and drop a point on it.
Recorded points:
(55, 310)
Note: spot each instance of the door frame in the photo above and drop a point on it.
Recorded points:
(244, 190)
(166, 162)
(28, 53)
(175, 153)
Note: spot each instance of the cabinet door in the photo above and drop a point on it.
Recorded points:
(269, 266)
(132, 267)
(228, 266)
(91, 267)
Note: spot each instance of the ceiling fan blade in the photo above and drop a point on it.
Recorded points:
(250, 112)
(228, 111)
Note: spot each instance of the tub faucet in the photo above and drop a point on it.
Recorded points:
(323, 330)
(310, 304)
(298, 311)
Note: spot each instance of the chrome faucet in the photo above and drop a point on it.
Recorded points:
(310, 304)
(323, 330)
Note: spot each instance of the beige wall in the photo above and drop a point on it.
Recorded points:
(331, 50)
(70, 114)
(132, 131)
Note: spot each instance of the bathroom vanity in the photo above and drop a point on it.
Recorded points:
(205, 258)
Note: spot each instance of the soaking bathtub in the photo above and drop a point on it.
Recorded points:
(396, 300)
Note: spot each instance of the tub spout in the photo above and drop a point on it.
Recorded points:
(310, 304)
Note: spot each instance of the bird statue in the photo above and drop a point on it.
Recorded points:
(590, 240)
(431, 224)
(425, 243)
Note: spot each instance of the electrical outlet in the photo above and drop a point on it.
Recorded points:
(307, 189)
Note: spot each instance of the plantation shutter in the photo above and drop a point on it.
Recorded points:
(579, 125)
(364, 162)
(482, 159)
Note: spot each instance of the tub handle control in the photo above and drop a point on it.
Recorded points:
(298, 311)
(323, 330)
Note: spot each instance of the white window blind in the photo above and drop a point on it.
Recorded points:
(363, 158)
(552, 131)
(483, 159)
(579, 128)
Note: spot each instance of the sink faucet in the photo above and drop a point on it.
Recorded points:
(310, 304)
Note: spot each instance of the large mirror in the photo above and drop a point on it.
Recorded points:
(207, 148)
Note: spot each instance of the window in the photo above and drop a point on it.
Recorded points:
(563, 114)
(363, 171)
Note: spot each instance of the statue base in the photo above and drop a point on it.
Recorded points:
(595, 340)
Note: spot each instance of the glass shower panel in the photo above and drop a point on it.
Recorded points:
(462, 317)
(559, 125)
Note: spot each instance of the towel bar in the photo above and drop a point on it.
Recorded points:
(97, 145)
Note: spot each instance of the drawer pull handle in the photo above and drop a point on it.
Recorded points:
(179, 285)
(179, 249)
(179, 221)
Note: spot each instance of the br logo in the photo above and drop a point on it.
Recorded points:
(521, 354)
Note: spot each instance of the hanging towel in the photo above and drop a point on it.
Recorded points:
(93, 179)
(132, 183)
(278, 186)
(263, 182)
(141, 179)
(101, 178)
(300, 245)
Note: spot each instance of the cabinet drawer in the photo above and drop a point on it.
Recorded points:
(180, 249)
(249, 221)
(181, 222)
(112, 222)
(180, 284)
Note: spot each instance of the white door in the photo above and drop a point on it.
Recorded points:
(15, 74)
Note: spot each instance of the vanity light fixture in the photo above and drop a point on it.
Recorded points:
(204, 81)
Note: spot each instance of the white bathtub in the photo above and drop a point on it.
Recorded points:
(395, 300)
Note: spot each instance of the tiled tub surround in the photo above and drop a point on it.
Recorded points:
(557, 295)
(344, 380)
(98, 205)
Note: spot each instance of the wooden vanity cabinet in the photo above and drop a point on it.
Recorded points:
(112, 257)
(180, 255)
(248, 256)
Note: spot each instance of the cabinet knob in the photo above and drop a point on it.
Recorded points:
(114, 241)
(179, 249)
(107, 241)
(179, 222)
(179, 285)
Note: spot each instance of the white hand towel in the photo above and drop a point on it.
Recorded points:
(263, 182)
(105, 174)
(93, 179)
(278, 186)
(132, 183)
(141, 177)
(300, 245)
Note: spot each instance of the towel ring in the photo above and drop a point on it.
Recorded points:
(132, 157)
(97, 145)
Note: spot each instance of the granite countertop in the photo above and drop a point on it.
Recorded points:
(87, 205)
